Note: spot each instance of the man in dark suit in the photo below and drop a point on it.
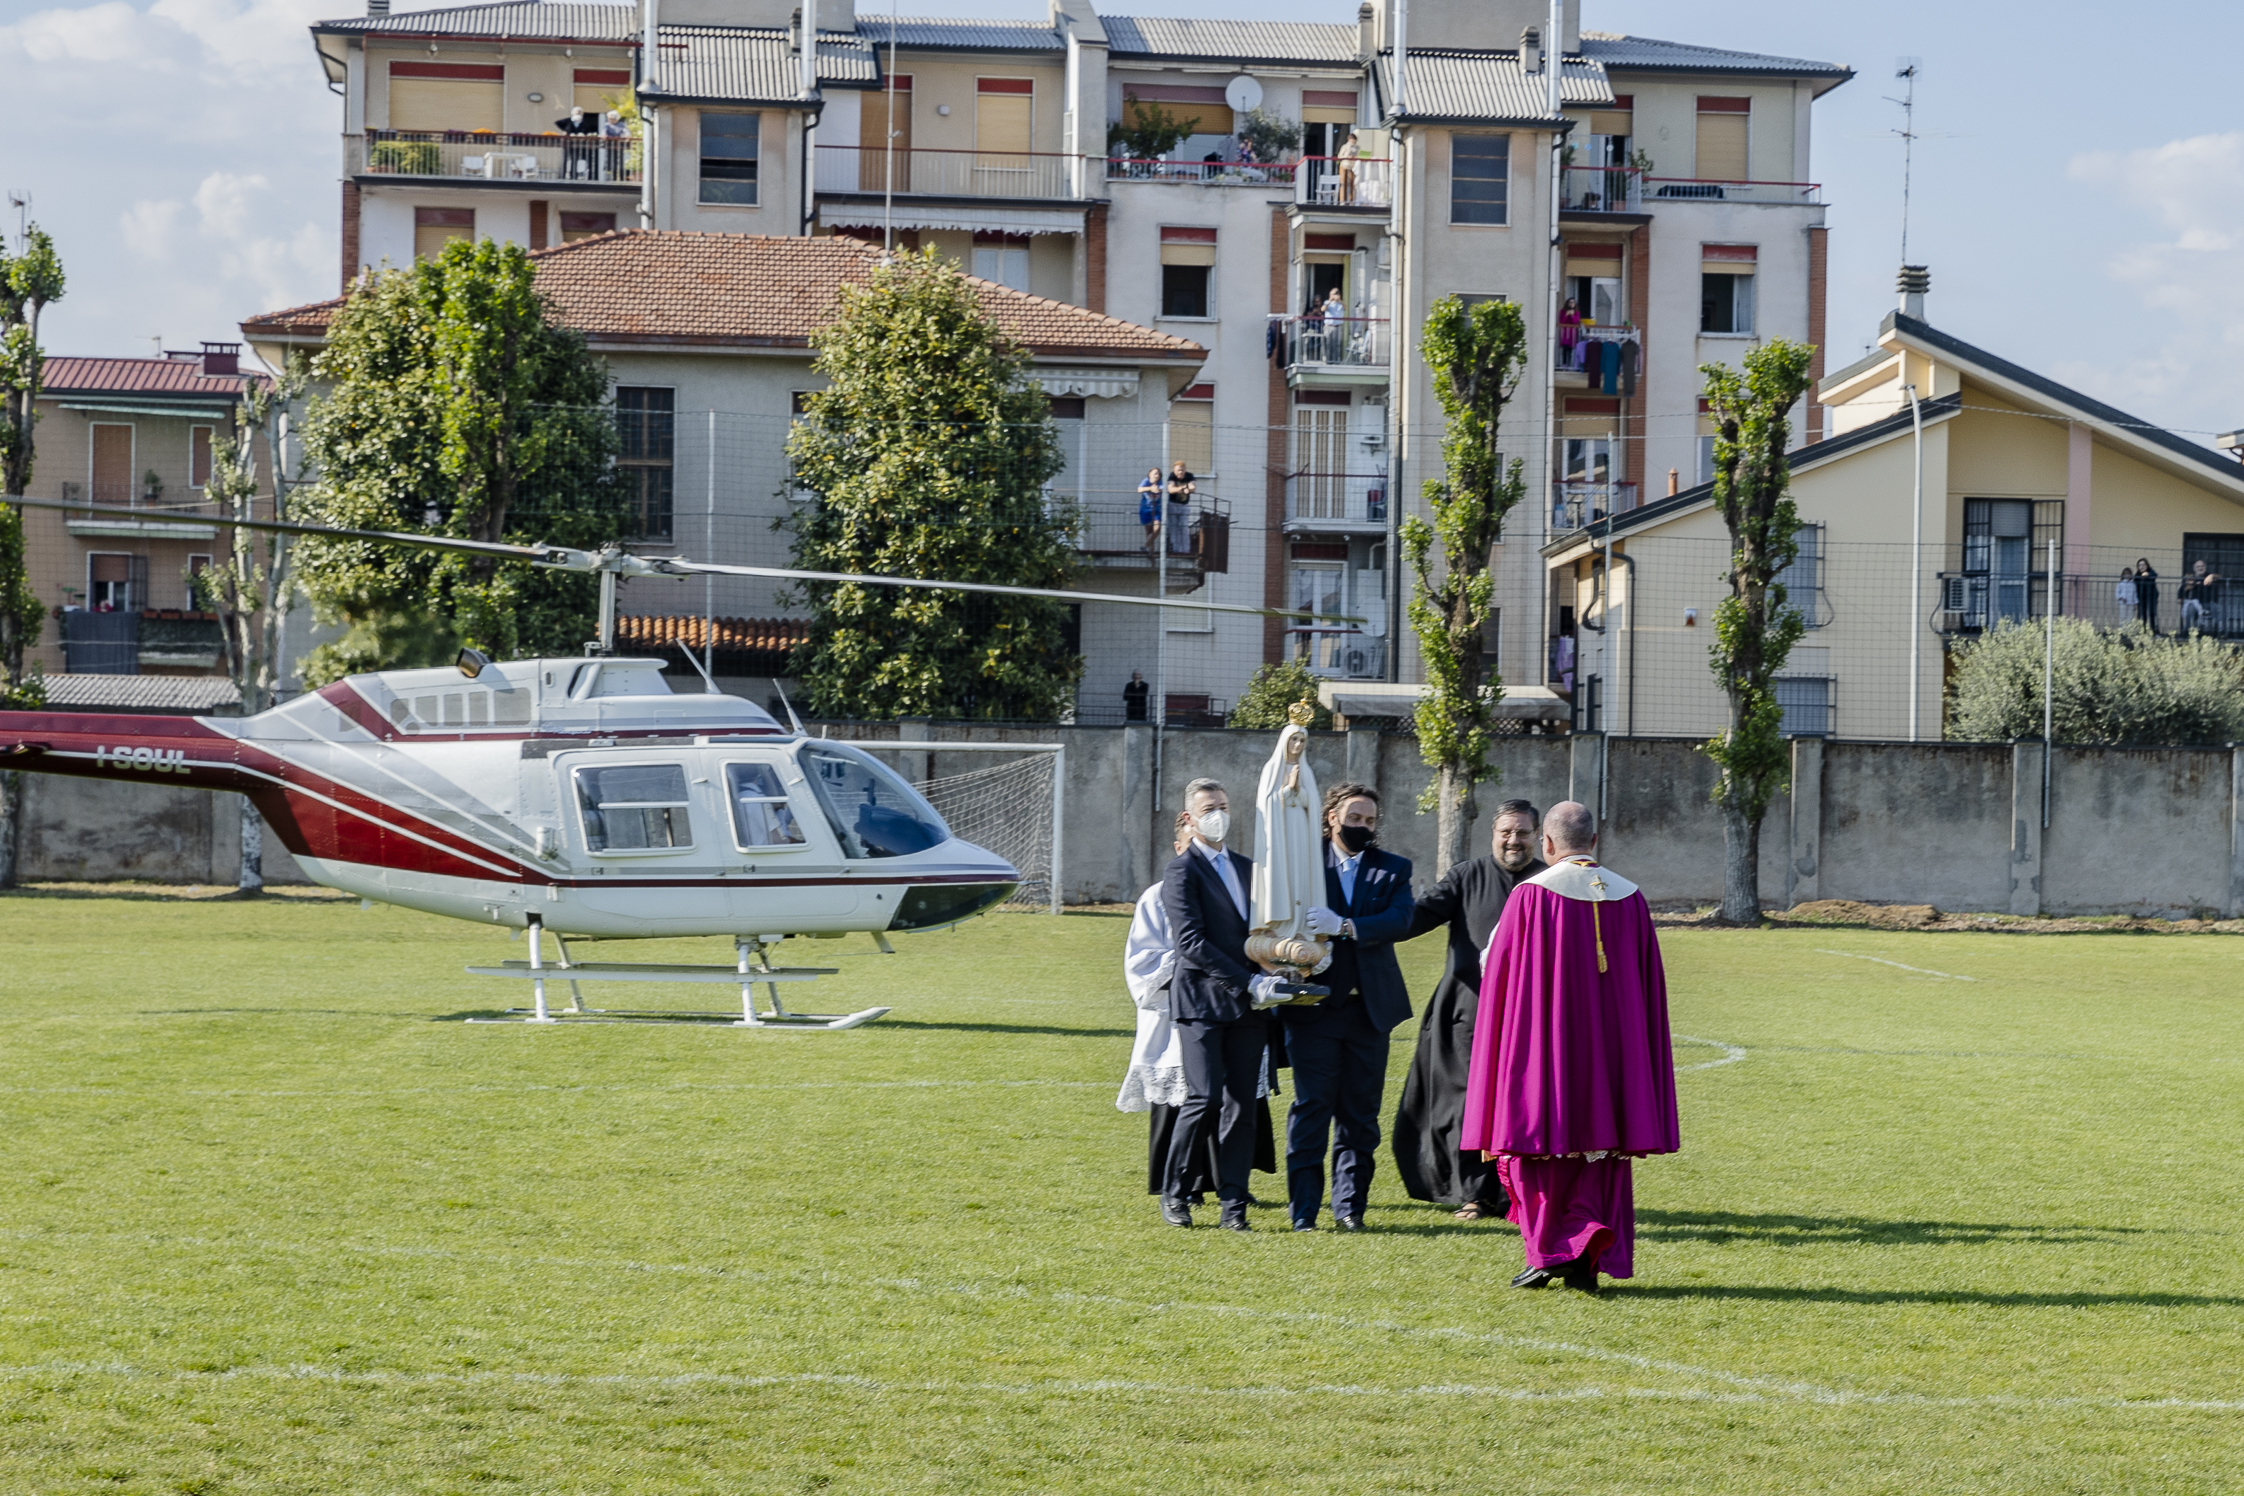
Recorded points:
(1467, 903)
(1215, 1001)
(1338, 1047)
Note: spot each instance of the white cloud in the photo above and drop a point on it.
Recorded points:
(2182, 362)
(184, 155)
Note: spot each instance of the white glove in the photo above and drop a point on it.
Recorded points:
(1322, 921)
(1264, 991)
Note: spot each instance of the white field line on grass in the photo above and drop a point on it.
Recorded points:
(1882, 961)
(1732, 1053)
(1738, 1387)
(1056, 1387)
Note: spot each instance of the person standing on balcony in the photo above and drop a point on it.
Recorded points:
(2146, 595)
(578, 156)
(1183, 484)
(1335, 312)
(2200, 585)
(1569, 332)
(612, 131)
(1351, 151)
(1149, 507)
(1134, 696)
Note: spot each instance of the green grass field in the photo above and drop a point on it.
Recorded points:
(271, 1225)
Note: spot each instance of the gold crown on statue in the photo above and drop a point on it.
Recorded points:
(1301, 713)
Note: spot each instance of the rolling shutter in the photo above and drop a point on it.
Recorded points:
(447, 96)
(1722, 139)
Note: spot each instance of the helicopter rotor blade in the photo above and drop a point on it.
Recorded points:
(543, 554)
(697, 568)
(563, 558)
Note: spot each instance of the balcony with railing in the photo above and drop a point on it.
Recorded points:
(1969, 603)
(1584, 354)
(946, 173)
(1336, 502)
(1187, 173)
(1576, 505)
(1692, 189)
(1355, 348)
(1109, 536)
(494, 158)
(1343, 182)
(1602, 189)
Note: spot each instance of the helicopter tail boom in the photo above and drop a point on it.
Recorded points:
(111, 745)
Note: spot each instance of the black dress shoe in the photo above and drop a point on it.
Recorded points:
(1235, 1216)
(1175, 1211)
(1348, 1223)
(1534, 1277)
(1581, 1276)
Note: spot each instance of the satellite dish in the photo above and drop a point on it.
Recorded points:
(1242, 93)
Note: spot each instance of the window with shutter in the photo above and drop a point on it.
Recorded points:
(1722, 139)
(447, 96)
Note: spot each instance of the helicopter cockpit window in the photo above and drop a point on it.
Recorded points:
(761, 814)
(874, 813)
(634, 808)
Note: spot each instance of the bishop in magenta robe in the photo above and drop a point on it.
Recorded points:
(1572, 1078)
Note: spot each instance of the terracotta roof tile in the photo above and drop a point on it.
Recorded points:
(636, 286)
(765, 641)
(136, 376)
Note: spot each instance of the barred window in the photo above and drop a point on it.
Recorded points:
(1479, 178)
(646, 417)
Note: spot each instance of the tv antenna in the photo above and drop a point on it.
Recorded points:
(19, 199)
(1906, 69)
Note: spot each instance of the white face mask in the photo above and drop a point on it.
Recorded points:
(1214, 825)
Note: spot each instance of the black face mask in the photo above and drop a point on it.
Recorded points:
(1355, 838)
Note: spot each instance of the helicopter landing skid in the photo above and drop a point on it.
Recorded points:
(753, 970)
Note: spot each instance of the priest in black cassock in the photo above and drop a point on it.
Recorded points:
(1466, 903)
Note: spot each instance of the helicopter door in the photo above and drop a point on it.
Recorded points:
(787, 871)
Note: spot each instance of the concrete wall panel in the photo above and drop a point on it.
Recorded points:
(1928, 824)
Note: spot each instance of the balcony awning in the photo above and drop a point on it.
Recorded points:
(1105, 384)
(123, 408)
(910, 215)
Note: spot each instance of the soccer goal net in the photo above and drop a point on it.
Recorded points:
(1009, 809)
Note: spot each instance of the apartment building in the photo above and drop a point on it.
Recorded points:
(1665, 189)
(130, 439)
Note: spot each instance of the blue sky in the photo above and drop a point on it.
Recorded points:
(2080, 192)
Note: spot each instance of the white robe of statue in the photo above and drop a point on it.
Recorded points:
(1289, 874)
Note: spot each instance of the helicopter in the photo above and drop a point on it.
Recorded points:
(576, 797)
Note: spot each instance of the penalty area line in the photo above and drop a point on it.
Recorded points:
(1904, 966)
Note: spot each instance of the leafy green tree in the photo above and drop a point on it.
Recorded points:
(1476, 355)
(456, 405)
(929, 452)
(1273, 136)
(249, 589)
(1147, 130)
(1754, 629)
(2124, 686)
(28, 282)
(1272, 689)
